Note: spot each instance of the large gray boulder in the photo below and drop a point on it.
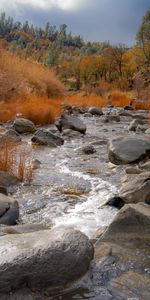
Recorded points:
(70, 122)
(131, 223)
(136, 188)
(9, 210)
(22, 125)
(43, 137)
(43, 259)
(128, 149)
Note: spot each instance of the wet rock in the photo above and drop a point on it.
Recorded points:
(116, 202)
(22, 125)
(10, 136)
(133, 125)
(70, 122)
(20, 229)
(95, 111)
(128, 149)
(111, 118)
(131, 223)
(35, 164)
(122, 252)
(69, 133)
(131, 285)
(9, 210)
(43, 259)
(147, 131)
(46, 138)
(133, 170)
(7, 180)
(142, 128)
(98, 234)
(128, 107)
(3, 190)
(136, 188)
(88, 149)
(145, 166)
(88, 115)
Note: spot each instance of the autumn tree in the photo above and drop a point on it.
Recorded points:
(143, 41)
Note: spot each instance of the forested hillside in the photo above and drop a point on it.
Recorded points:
(81, 64)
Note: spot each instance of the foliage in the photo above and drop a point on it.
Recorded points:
(22, 77)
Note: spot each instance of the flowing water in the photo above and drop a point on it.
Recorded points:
(70, 188)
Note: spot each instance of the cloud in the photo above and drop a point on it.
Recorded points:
(43, 4)
(99, 20)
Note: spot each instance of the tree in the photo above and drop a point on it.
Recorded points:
(143, 41)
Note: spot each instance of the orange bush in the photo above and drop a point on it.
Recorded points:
(16, 160)
(142, 105)
(87, 100)
(23, 77)
(119, 98)
(40, 110)
(116, 98)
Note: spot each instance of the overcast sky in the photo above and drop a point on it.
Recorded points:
(95, 20)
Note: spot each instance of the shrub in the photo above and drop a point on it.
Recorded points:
(24, 77)
(16, 160)
(40, 110)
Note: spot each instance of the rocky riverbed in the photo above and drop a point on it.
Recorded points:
(106, 158)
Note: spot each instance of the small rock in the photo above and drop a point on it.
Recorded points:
(46, 138)
(116, 202)
(89, 149)
(22, 125)
(133, 125)
(7, 180)
(95, 111)
(9, 210)
(70, 122)
(147, 131)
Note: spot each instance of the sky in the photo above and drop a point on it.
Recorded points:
(116, 21)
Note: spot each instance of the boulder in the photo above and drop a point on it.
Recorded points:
(7, 180)
(70, 122)
(122, 254)
(130, 285)
(22, 125)
(136, 188)
(9, 210)
(95, 111)
(10, 136)
(43, 137)
(131, 223)
(128, 149)
(44, 259)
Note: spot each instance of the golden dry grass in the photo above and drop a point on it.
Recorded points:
(16, 160)
(40, 110)
(116, 98)
(23, 77)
